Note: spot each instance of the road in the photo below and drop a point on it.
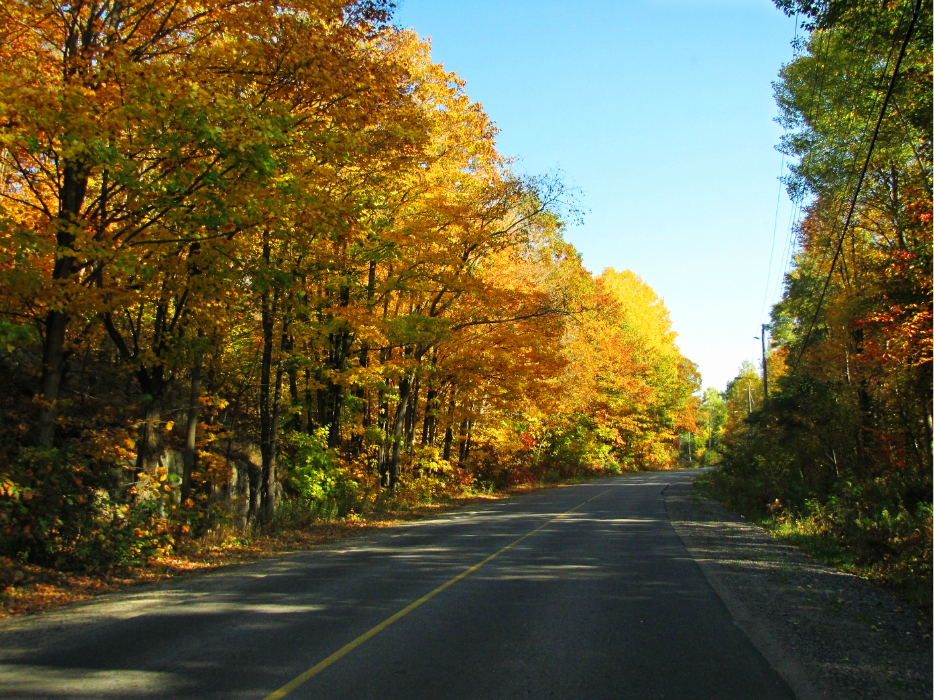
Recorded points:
(581, 592)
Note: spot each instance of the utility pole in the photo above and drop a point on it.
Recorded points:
(765, 367)
(710, 429)
(749, 394)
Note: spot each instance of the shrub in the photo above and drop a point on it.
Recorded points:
(320, 480)
(57, 510)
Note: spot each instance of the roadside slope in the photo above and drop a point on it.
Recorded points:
(829, 633)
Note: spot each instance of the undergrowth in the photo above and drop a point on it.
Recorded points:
(881, 541)
(299, 524)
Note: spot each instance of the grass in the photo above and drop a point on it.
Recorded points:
(819, 545)
(809, 535)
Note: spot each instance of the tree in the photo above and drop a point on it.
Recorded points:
(844, 441)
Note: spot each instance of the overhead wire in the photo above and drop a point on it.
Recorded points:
(813, 100)
(862, 175)
(768, 275)
(778, 199)
(852, 119)
(787, 248)
(848, 129)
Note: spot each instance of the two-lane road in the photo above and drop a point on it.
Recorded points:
(581, 592)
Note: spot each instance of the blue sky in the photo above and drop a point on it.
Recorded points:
(661, 112)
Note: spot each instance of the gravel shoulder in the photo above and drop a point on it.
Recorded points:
(828, 633)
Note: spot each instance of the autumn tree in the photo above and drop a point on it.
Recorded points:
(844, 442)
(280, 243)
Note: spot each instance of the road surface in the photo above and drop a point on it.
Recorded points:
(581, 592)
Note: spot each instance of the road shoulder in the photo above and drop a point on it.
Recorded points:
(828, 633)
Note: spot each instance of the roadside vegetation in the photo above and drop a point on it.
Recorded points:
(27, 587)
(838, 457)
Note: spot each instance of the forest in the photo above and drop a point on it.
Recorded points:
(261, 263)
(830, 443)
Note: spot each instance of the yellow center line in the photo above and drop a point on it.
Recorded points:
(347, 648)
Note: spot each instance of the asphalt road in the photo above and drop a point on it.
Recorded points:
(601, 600)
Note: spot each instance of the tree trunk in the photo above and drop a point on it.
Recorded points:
(428, 427)
(269, 468)
(293, 385)
(71, 200)
(192, 428)
(449, 431)
(365, 346)
(340, 343)
(468, 442)
(462, 442)
(367, 409)
(255, 473)
(382, 460)
(335, 405)
(53, 368)
(404, 392)
(864, 404)
(411, 418)
(321, 394)
(269, 399)
(448, 442)
(149, 438)
(288, 344)
(309, 417)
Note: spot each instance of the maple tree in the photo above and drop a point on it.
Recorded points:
(257, 250)
(634, 390)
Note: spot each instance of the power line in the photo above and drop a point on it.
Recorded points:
(850, 124)
(768, 276)
(862, 175)
(778, 198)
(787, 248)
(824, 41)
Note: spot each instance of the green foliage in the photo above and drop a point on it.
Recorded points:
(431, 478)
(121, 535)
(295, 513)
(805, 466)
(319, 479)
(866, 528)
(14, 336)
(44, 500)
(582, 448)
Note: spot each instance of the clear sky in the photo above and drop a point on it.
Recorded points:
(661, 112)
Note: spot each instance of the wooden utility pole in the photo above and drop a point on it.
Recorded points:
(765, 367)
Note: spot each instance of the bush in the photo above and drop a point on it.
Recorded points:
(876, 524)
(57, 510)
(122, 535)
(320, 480)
